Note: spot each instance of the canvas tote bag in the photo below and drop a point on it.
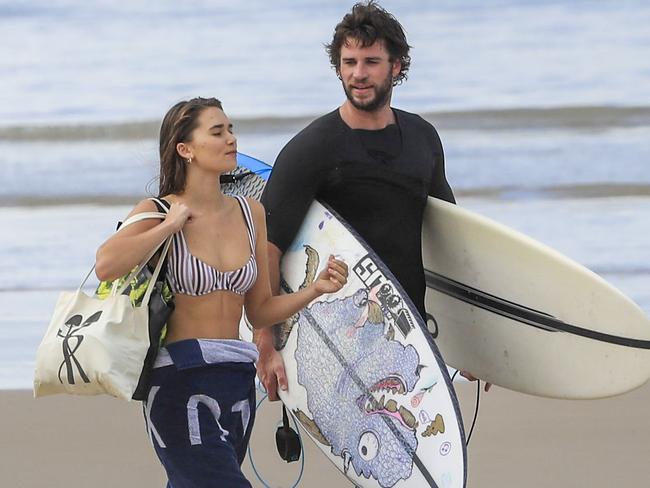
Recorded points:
(98, 346)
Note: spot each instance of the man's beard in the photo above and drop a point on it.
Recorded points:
(382, 95)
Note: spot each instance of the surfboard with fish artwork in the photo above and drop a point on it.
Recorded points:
(366, 382)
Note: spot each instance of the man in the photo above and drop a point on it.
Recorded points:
(373, 164)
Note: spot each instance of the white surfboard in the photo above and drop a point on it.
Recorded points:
(518, 314)
(366, 381)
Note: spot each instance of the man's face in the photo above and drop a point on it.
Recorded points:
(367, 74)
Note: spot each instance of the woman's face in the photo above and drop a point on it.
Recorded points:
(213, 145)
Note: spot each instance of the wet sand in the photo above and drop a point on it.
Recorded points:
(519, 441)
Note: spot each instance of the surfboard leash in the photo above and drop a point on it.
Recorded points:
(478, 397)
(250, 450)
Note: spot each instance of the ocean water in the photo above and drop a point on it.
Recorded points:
(542, 107)
(75, 61)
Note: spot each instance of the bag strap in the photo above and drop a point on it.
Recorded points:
(164, 244)
(162, 204)
(154, 276)
(140, 217)
(163, 210)
(132, 220)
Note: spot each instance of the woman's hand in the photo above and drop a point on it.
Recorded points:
(178, 214)
(332, 278)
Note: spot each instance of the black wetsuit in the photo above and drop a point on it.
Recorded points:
(378, 181)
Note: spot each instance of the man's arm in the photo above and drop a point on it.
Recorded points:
(440, 187)
(288, 193)
(270, 366)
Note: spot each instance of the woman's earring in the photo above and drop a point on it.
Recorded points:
(189, 160)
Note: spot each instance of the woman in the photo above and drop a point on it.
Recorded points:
(201, 404)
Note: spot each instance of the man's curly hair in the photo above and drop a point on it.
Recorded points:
(368, 23)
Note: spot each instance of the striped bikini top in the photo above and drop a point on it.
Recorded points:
(189, 275)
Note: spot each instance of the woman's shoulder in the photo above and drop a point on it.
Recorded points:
(145, 205)
(255, 206)
(170, 198)
(149, 205)
(256, 210)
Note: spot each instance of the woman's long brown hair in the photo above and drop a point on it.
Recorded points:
(177, 126)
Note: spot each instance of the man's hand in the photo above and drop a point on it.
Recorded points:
(469, 376)
(270, 370)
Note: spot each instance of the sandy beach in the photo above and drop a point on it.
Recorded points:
(519, 441)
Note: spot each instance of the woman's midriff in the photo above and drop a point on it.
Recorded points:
(212, 316)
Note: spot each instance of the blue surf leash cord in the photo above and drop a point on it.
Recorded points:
(478, 396)
(302, 456)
